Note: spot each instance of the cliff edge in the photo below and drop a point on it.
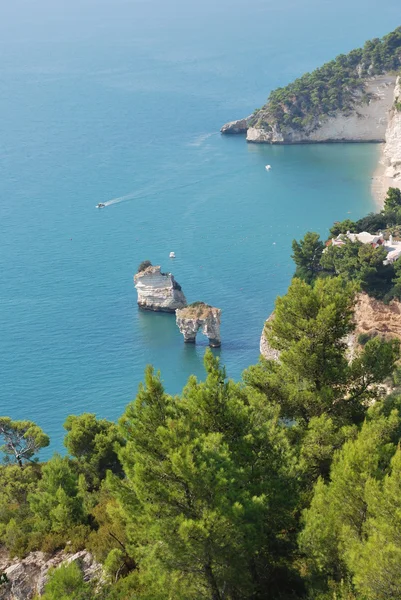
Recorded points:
(392, 149)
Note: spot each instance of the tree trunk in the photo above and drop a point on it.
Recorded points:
(212, 582)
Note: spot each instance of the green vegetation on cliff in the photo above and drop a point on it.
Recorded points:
(337, 85)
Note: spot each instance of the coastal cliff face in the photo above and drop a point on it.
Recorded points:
(392, 149)
(28, 577)
(366, 123)
(158, 291)
(200, 316)
(266, 350)
(372, 317)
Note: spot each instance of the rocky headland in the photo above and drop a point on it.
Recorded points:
(158, 291)
(367, 122)
(345, 100)
(199, 316)
(27, 577)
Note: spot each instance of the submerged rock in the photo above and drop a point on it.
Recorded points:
(200, 316)
(158, 291)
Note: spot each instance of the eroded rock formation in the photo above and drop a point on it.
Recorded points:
(199, 316)
(373, 317)
(28, 577)
(240, 126)
(158, 291)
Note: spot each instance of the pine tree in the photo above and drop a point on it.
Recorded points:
(306, 255)
(209, 491)
(337, 516)
(313, 375)
(55, 503)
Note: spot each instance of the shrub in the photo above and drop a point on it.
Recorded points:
(144, 265)
(66, 583)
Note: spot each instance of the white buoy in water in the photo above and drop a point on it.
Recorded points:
(172, 255)
(267, 167)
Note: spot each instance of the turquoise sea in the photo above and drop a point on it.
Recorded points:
(105, 98)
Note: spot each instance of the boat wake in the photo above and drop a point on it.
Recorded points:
(161, 189)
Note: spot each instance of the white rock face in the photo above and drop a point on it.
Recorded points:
(367, 122)
(239, 126)
(392, 149)
(158, 291)
(28, 577)
(266, 350)
(204, 317)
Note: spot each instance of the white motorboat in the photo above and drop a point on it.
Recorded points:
(100, 205)
(267, 167)
(172, 255)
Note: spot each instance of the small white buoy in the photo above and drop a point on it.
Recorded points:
(172, 254)
(268, 167)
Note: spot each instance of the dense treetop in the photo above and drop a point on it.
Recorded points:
(337, 85)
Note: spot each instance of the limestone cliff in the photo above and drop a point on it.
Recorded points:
(392, 149)
(158, 291)
(367, 122)
(200, 316)
(372, 317)
(265, 349)
(28, 577)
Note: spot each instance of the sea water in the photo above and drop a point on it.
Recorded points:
(124, 99)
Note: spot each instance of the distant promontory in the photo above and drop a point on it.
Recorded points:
(346, 100)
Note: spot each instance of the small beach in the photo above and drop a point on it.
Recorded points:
(380, 182)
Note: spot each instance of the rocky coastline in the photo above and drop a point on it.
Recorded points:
(366, 123)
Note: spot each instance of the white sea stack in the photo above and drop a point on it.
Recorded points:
(200, 316)
(158, 291)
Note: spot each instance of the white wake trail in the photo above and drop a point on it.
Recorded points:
(121, 199)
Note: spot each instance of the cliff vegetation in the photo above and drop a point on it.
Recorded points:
(336, 86)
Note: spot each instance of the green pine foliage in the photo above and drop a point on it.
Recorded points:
(336, 86)
(283, 486)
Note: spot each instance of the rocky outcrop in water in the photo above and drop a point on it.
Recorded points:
(240, 126)
(28, 577)
(200, 316)
(367, 122)
(158, 291)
